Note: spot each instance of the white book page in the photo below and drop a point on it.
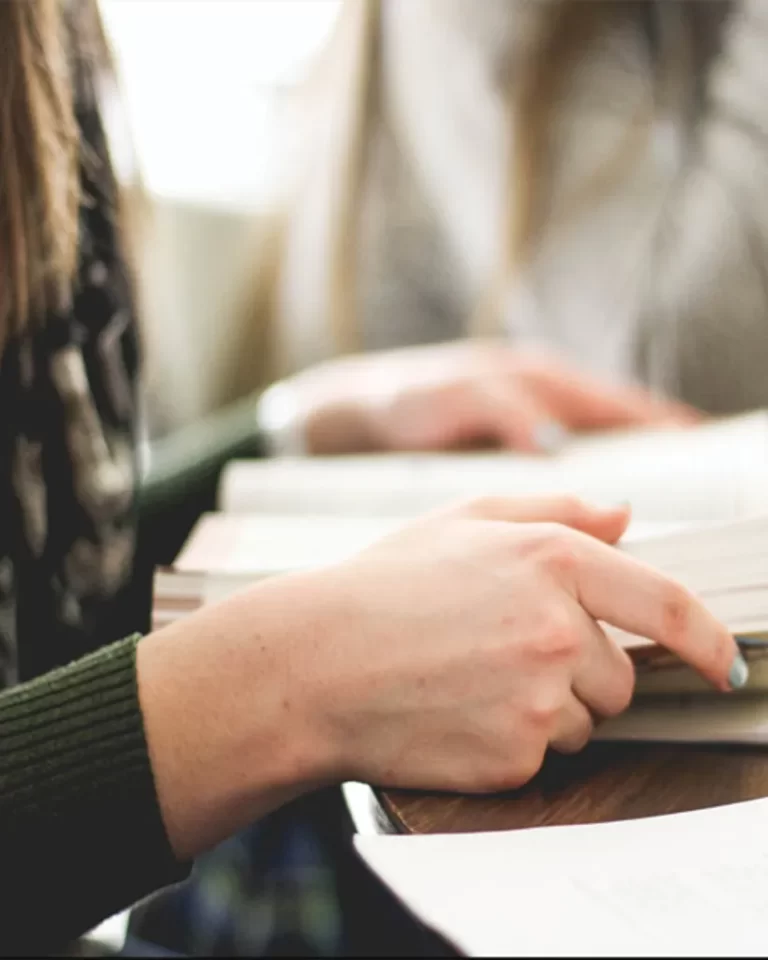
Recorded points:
(716, 471)
(725, 565)
(266, 544)
(693, 884)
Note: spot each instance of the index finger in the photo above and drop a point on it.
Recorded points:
(627, 593)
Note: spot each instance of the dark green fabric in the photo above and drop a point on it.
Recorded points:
(184, 473)
(81, 833)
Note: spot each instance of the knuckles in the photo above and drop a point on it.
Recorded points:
(578, 739)
(556, 638)
(623, 686)
(540, 714)
(555, 552)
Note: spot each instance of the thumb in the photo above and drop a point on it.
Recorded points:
(604, 523)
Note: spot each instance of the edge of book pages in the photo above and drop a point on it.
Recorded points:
(675, 474)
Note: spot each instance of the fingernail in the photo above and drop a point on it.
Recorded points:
(739, 674)
(550, 436)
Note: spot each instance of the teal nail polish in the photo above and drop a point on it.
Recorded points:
(739, 672)
(550, 436)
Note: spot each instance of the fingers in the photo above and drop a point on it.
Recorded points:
(474, 412)
(573, 727)
(604, 680)
(536, 414)
(626, 593)
(601, 685)
(509, 414)
(607, 524)
(583, 402)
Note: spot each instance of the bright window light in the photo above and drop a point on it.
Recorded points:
(201, 80)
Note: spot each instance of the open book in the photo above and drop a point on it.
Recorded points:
(716, 471)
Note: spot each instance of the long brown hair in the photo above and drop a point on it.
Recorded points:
(43, 45)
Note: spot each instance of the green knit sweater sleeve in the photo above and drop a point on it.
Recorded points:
(81, 834)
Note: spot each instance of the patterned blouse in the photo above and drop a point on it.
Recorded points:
(69, 580)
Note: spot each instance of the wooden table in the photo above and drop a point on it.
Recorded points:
(607, 781)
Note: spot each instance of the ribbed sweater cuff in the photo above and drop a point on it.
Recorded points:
(79, 816)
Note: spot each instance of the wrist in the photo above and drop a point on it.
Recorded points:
(291, 641)
(227, 697)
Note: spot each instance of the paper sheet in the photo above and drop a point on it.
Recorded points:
(693, 884)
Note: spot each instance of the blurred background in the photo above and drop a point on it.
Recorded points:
(204, 85)
(385, 173)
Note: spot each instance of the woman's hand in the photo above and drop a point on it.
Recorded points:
(460, 394)
(456, 652)
(451, 655)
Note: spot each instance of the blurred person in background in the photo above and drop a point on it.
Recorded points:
(587, 178)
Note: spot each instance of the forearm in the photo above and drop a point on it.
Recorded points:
(80, 830)
(117, 769)
(229, 710)
(704, 325)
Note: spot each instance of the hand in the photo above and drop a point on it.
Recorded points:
(466, 645)
(464, 393)
(449, 656)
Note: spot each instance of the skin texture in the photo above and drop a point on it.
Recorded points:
(463, 394)
(451, 655)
